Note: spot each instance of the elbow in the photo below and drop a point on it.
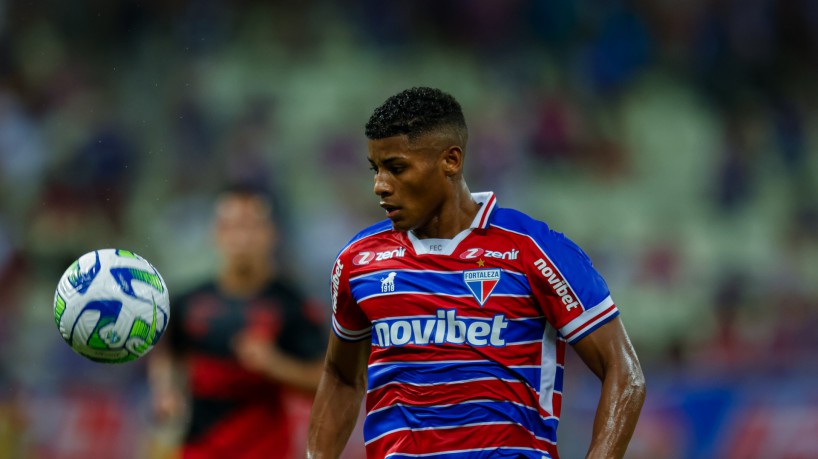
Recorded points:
(636, 385)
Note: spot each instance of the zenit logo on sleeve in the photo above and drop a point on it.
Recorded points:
(559, 285)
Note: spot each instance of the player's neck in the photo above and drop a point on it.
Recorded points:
(246, 280)
(455, 216)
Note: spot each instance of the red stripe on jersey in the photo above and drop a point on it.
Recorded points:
(556, 404)
(458, 439)
(520, 354)
(448, 394)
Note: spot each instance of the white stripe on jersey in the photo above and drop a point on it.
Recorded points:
(548, 360)
(350, 334)
(582, 321)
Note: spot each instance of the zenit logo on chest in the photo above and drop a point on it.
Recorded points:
(469, 254)
(364, 258)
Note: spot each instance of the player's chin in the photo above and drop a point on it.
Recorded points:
(399, 224)
(243, 261)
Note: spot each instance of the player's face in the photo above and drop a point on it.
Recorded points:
(244, 231)
(410, 180)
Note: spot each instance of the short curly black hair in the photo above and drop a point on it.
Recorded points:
(415, 112)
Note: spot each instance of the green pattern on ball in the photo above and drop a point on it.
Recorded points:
(96, 341)
(148, 278)
(147, 333)
(140, 329)
(73, 278)
(59, 308)
(126, 253)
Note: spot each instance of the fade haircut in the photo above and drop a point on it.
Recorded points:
(415, 112)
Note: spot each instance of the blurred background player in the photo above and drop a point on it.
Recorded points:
(246, 342)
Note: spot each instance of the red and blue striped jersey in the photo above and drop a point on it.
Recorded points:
(468, 334)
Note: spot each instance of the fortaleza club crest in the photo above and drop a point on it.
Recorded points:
(481, 282)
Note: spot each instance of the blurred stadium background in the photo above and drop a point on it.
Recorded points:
(674, 141)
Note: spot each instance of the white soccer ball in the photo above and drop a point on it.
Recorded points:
(111, 306)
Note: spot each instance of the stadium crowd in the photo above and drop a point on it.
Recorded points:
(673, 140)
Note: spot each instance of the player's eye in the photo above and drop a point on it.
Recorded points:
(373, 168)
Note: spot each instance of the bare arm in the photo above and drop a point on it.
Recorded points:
(609, 354)
(259, 355)
(338, 399)
(165, 385)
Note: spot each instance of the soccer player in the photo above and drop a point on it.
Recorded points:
(452, 316)
(243, 339)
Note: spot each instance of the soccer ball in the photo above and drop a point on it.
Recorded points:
(111, 306)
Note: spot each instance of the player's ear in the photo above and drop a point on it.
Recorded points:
(452, 160)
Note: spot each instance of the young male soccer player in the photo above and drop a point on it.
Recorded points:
(460, 311)
(242, 339)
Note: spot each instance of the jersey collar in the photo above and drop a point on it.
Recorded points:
(487, 202)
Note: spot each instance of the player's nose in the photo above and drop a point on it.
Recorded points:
(382, 186)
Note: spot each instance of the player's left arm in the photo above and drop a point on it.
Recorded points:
(297, 359)
(608, 352)
(259, 355)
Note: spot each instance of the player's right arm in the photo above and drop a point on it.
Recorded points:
(343, 382)
(165, 369)
(166, 394)
(338, 400)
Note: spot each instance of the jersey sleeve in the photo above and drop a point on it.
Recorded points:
(574, 297)
(348, 320)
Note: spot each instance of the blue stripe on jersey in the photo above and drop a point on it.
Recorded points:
(447, 372)
(401, 417)
(436, 282)
(446, 325)
(493, 453)
(558, 379)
